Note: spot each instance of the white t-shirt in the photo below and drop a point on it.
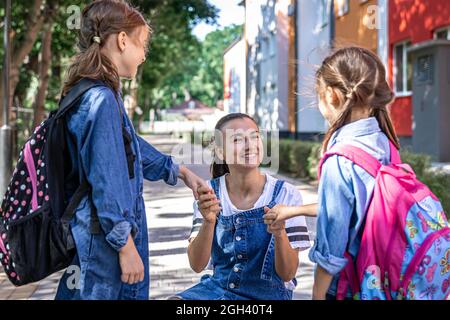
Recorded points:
(296, 228)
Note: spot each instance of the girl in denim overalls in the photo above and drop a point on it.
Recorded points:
(353, 98)
(111, 263)
(250, 261)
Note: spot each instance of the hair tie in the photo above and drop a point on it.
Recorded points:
(96, 39)
(350, 94)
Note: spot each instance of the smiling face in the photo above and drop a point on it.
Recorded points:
(241, 145)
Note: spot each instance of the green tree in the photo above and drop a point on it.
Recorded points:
(43, 43)
(174, 50)
(194, 67)
(207, 84)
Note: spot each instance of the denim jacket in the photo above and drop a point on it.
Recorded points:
(99, 154)
(345, 190)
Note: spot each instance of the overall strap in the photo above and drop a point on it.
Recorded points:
(276, 191)
(215, 184)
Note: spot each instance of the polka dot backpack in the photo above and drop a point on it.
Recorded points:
(35, 239)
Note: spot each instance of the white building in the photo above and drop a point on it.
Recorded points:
(235, 77)
(267, 36)
(313, 43)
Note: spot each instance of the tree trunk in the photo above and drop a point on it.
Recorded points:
(44, 67)
(35, 20)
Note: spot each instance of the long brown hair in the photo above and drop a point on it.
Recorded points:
(99, 20)
(219, 167)
(360, 79)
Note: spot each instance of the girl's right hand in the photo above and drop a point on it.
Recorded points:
(131, 263)
(208, 204)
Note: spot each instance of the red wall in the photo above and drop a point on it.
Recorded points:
(414, 20)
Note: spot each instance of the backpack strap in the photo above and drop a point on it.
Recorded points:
(215, 184)
(395, 154)
(75, 93)
(360, 157)
(347, 279)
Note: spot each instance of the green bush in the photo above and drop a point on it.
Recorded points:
(437, 181)
(439, 184)
(419, 162)
(313, 160)
(285, 156)
(301, 153)
(295, 157)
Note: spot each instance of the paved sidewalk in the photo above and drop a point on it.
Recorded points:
(169, 213)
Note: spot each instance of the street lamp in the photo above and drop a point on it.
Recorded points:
(5, 129)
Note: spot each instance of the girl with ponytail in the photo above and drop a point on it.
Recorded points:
(111, 261)
(353, 97)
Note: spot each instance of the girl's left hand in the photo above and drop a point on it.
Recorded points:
(191, 180)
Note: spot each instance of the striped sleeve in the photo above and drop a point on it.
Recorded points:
(196, 222)
(298, 233)
(296, 228)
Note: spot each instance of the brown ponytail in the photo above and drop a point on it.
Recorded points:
(219, 167)
(99, 20)
(360, 78)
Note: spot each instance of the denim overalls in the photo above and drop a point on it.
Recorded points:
(243, 256)
(97, 150)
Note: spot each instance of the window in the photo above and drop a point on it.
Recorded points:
(443, 33)
(342, 7)
(402, 69)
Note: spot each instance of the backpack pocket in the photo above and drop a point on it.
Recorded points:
(428, 274)
(38, 246)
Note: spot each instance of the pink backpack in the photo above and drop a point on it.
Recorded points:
(405, 246)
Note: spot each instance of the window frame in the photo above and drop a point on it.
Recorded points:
(343, 9)
(405, 92)
(446, 28)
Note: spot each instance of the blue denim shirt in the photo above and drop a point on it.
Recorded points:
(99, 153)
(345, 190)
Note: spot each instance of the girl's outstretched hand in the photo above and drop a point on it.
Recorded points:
(192, 181)
(279, 213)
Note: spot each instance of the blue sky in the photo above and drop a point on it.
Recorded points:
(230, 13)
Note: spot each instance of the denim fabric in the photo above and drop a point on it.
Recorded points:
(243, 258)
(345, 190)
(97, 150)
